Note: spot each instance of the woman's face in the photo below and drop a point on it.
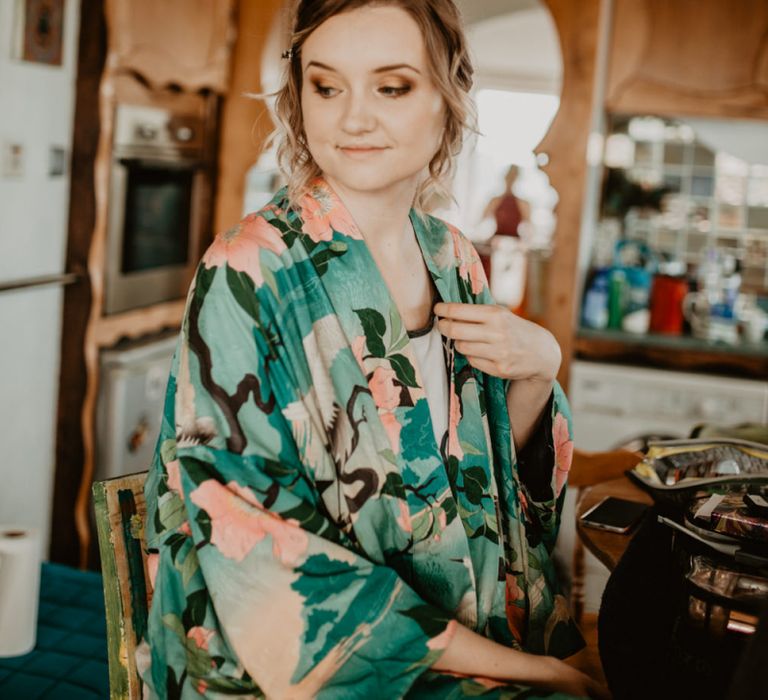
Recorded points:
(372, 115)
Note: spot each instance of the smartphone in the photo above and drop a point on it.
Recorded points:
(614, 514)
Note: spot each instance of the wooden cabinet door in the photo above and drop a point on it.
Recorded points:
(172, 42)
(694, 57)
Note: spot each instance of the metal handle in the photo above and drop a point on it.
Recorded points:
(45, 280)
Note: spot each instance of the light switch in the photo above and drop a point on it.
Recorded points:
(12, 161)
(57, 165)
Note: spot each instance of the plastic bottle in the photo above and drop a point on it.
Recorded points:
(595, 312)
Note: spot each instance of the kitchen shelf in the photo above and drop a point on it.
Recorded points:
(673, 352)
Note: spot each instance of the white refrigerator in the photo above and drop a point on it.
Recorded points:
(36, 111)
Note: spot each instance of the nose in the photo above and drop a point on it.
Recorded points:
(359, 113)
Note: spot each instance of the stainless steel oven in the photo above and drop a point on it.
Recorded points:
(159, 189)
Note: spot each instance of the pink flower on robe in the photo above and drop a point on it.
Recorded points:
(239, 523)
(322, 212)
(477, 276)
(386, 395)
(153, 561)
(470, 267)
(358, 348)
(174, 476)
(404, 519)
(392, 428)
(200, 636)
(515, 613)
(241, 247)
(523, 502)
(454, 416)
(202, 686)
(563, 451)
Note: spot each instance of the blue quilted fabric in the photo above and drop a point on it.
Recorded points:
(69, 661)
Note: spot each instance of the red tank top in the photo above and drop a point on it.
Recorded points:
(508, 216)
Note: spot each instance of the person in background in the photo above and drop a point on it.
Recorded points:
(361, 467)
(505, 252)
(509, 210)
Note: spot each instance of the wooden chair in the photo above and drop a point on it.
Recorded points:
(120, 514)
(588, 469)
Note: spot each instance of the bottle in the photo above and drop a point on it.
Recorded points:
(595, 312)
(617, 293)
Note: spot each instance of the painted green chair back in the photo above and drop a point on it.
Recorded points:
(120, 512)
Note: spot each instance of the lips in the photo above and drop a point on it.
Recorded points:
(359, 151)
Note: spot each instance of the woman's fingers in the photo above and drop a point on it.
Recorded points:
(475, 313)
(476, 349)
(463, 330)
(483, 364)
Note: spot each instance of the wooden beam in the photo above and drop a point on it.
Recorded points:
(245, 122)
(92, 51)
(576, 22)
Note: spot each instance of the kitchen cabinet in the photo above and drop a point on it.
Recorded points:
(613, 404)
(694, 57)
(195, 55)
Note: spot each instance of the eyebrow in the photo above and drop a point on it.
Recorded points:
(382, 69)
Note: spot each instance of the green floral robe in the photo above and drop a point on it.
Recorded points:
(308, 537)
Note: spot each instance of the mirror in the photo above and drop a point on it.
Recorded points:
(691, 195)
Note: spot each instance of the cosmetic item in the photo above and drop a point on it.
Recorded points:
(595, 312)
(667, 294)
(616, 298)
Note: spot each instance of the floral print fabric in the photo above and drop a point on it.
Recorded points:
(308, 537)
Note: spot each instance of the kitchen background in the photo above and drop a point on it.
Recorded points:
(643, 247)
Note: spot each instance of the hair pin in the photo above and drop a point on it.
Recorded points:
(287, 54)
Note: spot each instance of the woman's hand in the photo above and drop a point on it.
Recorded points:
(497, 342)
(471, 654)
(560, 677)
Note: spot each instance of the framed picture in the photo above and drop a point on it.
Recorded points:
(39, 31)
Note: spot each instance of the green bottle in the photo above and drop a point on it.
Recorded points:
(617, 294)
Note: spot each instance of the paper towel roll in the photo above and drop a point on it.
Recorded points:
(20, 558)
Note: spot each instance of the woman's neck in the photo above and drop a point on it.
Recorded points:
(382, 216)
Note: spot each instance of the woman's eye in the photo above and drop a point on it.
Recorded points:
(324, 90)
(395, 91)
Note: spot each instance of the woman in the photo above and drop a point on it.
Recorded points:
(335, 509)
(508, 210)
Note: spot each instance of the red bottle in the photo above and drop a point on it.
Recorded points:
(667, 294)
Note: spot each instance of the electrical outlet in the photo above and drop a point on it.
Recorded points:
(12, 161)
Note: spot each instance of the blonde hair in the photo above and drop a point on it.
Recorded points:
(451, 70)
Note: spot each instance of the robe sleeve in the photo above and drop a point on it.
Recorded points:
(543, 466)
(306, 613)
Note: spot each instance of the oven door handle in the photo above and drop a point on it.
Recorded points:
(161, 164)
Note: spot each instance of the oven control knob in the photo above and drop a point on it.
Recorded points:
(184, 134)
(146, 131)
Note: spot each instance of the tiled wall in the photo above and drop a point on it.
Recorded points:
(716, 199)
